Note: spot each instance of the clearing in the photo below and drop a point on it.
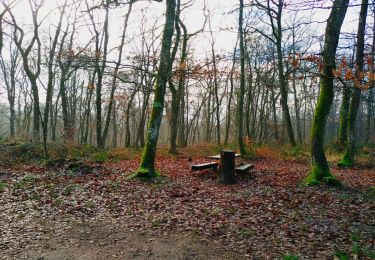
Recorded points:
(85, 210)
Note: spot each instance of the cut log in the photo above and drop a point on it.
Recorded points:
(226, 173)
(203, 166)
(244, 168)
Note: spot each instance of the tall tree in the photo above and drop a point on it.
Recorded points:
(100, 60)
(319, 166)
(114, 78)
(32, 71)
(348, 159)
(176, 94)
(242, 82)
(275, 21)
(147, 165)
(50, 80)
(9, 71)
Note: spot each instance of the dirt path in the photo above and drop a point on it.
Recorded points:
(114, 241)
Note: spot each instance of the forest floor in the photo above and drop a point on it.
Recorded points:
(86, 210)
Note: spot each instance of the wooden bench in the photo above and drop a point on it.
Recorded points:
(203, 166)
(244, 168)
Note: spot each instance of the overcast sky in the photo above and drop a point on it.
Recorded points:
(222, 12)
(222, 16)
(223, 20)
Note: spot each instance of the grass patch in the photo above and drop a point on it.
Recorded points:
(2, 186)
(370, 193)
(345, 196)
(89, 205)
(19, 185)
(69, 189)
(245, 232)
(29, 178)
(290, 257)
(357, 250)
(155, 223)
(341, 255)
(58, 202)
(35, 196)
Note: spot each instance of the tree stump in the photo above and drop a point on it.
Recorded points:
(226, 172)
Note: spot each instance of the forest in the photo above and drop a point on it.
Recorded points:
(187, 129)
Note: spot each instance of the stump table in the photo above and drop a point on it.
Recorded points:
(227, 166)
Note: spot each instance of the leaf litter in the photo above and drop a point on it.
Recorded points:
(266, 214)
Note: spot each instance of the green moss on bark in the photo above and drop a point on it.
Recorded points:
(320, 175)
(346, 161)
(349, 157)
(319, 166)
(147, 166)
(144, 174)
(344, 112)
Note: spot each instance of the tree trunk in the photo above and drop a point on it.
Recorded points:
(282, 79)
(319, 166)
(140, 139)
(176, 92)
(242, 83)
(127, 119)
(370, 100)
(227, 165)
(297, 110)
(147, 165)
(231, 81)
(114, 77)
(114, 126)
(274, 114)
(68, 129)
(344, 112)
(369, 114)
(36, 110)
(348, 159)
(88, 114)
(173, 123)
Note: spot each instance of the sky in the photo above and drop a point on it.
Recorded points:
(222, 13)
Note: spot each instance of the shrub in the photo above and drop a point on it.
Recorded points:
(26, 152)
(296, 153)
(100, 156)
(82, 151)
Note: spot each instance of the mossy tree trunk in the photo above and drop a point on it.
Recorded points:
(348, 159)
(147, 165)
(319, 166)
(344, 112)
(242, 83)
